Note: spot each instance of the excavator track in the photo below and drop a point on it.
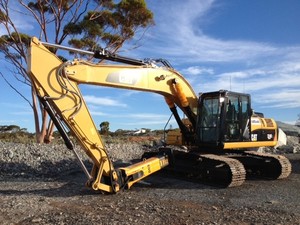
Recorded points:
(210, 169)
(263, 165)
(225, 170)
(233, 171)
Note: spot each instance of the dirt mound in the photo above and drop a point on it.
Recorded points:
(50, 160)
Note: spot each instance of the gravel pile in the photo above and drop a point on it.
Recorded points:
(292, 146)
(49, 160)
(288, 129)
(38, 186)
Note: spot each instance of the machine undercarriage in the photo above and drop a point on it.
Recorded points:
(225, 169)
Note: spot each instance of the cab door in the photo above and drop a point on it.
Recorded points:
(208, 125)
(237, 117)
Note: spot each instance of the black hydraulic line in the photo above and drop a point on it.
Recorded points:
(190, 115)
(99, 54)
(63, 133)
(166, 127)
(182, 127)
(165, 62)
(103, 54)
(57, 123)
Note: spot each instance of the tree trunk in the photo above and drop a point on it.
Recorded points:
(40, 133)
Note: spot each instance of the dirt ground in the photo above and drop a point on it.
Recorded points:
(160, 199)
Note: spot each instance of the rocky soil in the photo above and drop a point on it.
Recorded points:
(43, 184)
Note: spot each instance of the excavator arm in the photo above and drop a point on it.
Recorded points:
(56, 84)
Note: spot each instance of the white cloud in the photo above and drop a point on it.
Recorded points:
(147, 123)
(197, 70)
(179, 31)
(90, 99)
(147, 119)
(7, 121)
(22, 113)
(245, 81)
(265, 70)
(128, 93)
(147, 116)
(273, 85)
(97, 113)
(289, 98)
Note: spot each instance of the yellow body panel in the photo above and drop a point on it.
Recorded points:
(43, 68)
(141, 78)
(249, 144)
(174, 137)
(145, 168)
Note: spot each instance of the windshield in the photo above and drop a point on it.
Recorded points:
(209, 120)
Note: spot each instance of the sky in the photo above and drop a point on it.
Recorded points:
(244, 46)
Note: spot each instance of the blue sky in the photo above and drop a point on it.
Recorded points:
(244, 46)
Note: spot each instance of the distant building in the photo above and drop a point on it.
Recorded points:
(140, 131)
(298, 121)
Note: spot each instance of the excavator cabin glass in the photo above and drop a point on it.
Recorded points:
(223, 117)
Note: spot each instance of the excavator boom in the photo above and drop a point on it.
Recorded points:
(56, 84)
(218, 128)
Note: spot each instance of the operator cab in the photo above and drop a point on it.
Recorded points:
(223, 117)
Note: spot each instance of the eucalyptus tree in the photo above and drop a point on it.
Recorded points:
(85, 24)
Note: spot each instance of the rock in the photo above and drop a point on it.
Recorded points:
(53, 160)
(286, 149)
(36, 220)
(293, 141)
(273, 202)
(10, 154)
(215, 208)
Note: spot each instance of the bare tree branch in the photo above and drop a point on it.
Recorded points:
(16, 90)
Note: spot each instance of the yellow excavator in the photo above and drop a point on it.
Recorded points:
(218, 131)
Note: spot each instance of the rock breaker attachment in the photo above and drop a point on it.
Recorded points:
(262, 165)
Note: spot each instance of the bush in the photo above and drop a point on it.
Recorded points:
(17, 137)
